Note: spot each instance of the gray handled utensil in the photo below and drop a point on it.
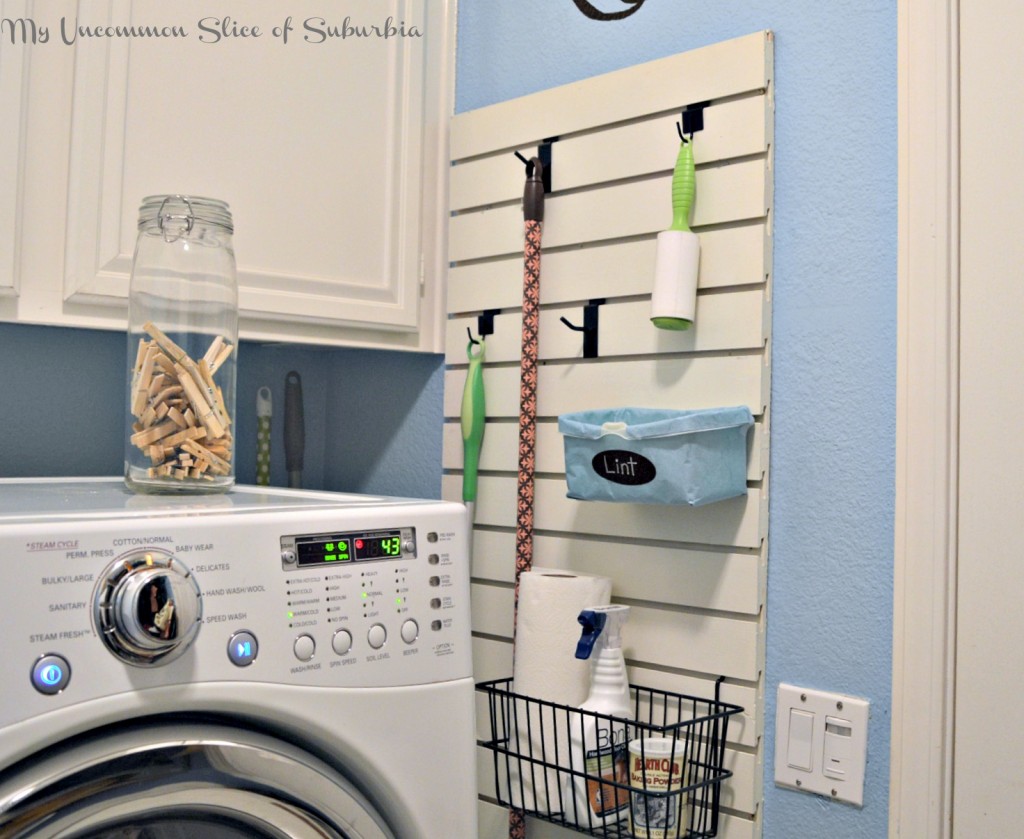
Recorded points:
(294, 429)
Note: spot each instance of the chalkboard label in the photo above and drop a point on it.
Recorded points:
(622, 467)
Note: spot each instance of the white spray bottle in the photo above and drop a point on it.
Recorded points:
(599, 747)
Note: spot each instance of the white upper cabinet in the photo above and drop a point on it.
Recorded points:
(13, 101)
(326, 135)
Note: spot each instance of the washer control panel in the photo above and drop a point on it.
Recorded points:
(366, 594)
(331, 596)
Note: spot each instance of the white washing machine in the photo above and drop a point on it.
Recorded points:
(264, 663)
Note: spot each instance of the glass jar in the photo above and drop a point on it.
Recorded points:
(182, 348)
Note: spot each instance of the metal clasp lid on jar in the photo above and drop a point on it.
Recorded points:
(184, 213)
(189, 218)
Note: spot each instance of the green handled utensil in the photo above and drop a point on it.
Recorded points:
(674, 297)
(684, 183)
(473, 417)
(264, 413)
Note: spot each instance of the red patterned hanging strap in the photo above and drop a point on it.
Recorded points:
(533, 214)
(528, 400)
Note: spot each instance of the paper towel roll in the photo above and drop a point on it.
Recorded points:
(545, 667)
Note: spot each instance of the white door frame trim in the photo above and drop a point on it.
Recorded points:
(924, 624)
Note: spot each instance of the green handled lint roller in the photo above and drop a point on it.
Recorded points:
(674, 298)
(473, 417)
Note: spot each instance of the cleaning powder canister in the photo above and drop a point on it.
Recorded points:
(598, 743)
(657, 803)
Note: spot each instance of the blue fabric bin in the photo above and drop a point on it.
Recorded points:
(656, 456)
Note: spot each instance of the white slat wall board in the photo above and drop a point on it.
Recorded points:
(701, 381)
(695, 578)
(732, 256)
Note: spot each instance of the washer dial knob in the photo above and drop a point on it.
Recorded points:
(148, 607)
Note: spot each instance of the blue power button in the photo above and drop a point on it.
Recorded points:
(51, 674)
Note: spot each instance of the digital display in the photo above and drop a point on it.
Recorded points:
(379, 546)
(324, 551)
(339, 548)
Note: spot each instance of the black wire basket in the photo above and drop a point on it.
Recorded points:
(656, 776)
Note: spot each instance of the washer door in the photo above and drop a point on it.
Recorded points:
(180, 781)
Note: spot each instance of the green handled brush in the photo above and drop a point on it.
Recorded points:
(473, 417)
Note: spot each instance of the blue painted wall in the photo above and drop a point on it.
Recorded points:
(373, 420)
(834, 352)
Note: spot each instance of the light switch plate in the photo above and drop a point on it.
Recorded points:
(837, 726)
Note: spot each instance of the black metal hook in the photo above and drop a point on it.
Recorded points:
(693, 118)
(472, 340)
(589, 328)
(527, 163)
(544, 157)
(485, 323)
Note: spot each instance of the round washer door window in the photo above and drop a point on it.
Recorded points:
(181, 781)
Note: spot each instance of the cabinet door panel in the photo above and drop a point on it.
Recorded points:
(317, 145)
(13, 101)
